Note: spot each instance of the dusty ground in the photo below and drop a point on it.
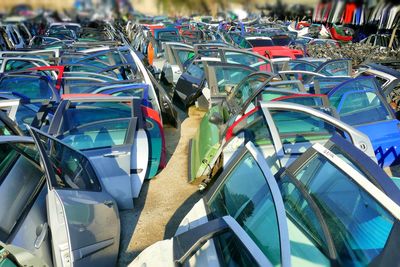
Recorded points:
(164, 200)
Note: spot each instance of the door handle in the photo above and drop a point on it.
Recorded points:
(109, 203)
(41, 235)
(115, 154)
(195, 86)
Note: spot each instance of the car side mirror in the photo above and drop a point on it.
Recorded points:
(228, 89)
(216, 119)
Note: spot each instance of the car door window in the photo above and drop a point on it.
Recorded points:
(352, 215)
(250, 202)
(254, 128)
(294, 65)
(296, 127)
(13, 65)
(324, 85)
(4, 129)
(196, 70)
(336, 68)
(232, 251)
(29, 87)
(246, 89)
(20, 179)
(357, 102)
(362, 107)
(227, 75)
(248, 60)
(72, 170)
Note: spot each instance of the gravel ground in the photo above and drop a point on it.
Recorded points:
(165, 199)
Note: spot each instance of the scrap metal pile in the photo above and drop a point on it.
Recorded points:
(296, 157)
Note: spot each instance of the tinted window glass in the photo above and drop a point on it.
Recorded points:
(30, 87)
(360, 226)
(20, 178)
(71, 169)
(4, 130)
(248, 60)
(246, 196)
(196, 70)
(228, 76)
(246, 89)
(260, 42)
(362, 107)
(336, 68)
(231, 249)
(301, 128)
(88, 112)
(97, 134)
(255, 129)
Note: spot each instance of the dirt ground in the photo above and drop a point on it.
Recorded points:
(164, 200)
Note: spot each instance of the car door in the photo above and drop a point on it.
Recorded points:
(222, 78)
(359, 103)
(283, 131)
(247, 190)
(360, 200)
(114, 140)
(190, 83)
(83, 217)
(294, 128)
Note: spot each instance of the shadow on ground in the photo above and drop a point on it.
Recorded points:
(165, 199)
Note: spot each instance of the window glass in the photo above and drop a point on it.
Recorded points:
(184, 55)
(196, 70)
(357, 102)
(359, 225)
(71, 169)
(228, 76)
(325, 85)
(155, 132)
(97, 134)
(4, 130)
(19, 181)
(302, 219)
(260, 42)
(298, 127)
(303, 77)
(231, 249)
(88, 112)
(245, 89)
(255, 129)
(361, 107)
(245, 195)
(309, 101)
(13, 65)
(248, 60)
(295, 65)
(292, 86)
(30, 87)
(336, 68)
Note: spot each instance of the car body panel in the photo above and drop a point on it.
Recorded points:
(88, 236)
